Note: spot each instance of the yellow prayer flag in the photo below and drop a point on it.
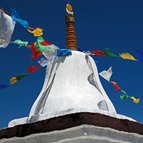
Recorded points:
(135, 100)
(36, 32)
(127, 56)
(13, 80)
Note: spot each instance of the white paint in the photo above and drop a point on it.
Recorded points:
(69, 87)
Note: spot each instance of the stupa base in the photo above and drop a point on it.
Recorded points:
(75, 128)
(41, 117)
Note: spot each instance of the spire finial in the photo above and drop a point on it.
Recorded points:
(69, 9)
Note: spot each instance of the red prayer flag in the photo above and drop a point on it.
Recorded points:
(116, 87)
(35, 52)
(98, 53)
(32, 69)
(45, 43)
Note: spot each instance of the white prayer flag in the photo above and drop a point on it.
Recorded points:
(43, 62)
(106, 74)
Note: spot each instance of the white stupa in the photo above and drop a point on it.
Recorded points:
(71, 85)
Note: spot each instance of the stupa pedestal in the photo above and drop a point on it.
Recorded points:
(75, 128)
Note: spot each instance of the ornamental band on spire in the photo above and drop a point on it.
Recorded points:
(71, 41)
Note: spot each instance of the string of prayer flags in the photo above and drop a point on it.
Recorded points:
(127, 56)
(50, 51)
(35, 53)
(43, 62)
(108, 53)
(125, 96)
(116, 87)
(17, 19)
(106, 74)
(32, 69)
(98, 53)
(20, 43)
(135, 100)
(19, 77)
(36, 32)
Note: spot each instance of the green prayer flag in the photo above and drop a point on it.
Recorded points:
(124, 96)
(21, 43)
(42, 47)
(108, 53)
(21, 76)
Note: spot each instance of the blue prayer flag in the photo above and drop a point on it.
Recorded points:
(140, 55)
(17, 19)
(3, 86)
(63, 52)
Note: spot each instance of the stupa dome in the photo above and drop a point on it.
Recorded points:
(71, 85)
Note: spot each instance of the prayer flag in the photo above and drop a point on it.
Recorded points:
(20, 43)
(43, 62)
(116, 87)
(3, 86)
(63, 52)
(42, 45)
(17, 19)
(36, 32)
(35, 52)
(135, 100)
(21, 76)
(17, 78)
(32, 69)
(13, 80)
(124, 96)
(98, 53)
(106, 74)
(127, 56)
(108, 53)
(140, 55)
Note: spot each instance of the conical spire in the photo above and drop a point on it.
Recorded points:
(71, 41)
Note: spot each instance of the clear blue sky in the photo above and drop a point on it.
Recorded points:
(99, 24)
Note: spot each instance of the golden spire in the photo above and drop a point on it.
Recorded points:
(71, 42)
